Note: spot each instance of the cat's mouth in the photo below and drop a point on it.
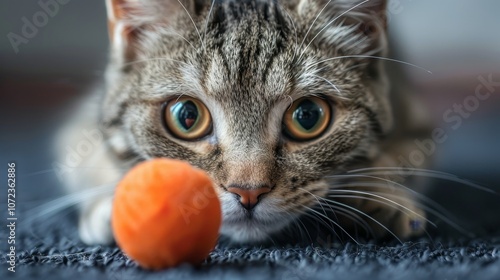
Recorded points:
(244, 226)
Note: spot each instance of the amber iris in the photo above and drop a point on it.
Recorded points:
(187, 118)
(307, 118)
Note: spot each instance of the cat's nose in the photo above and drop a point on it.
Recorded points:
(249, 197)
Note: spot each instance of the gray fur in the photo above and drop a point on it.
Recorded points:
(246, 61)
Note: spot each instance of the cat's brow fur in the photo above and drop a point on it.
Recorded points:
(246, 62)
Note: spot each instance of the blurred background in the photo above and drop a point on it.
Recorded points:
(458, 40)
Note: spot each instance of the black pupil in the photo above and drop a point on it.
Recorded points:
(187, 115)
(307, 114)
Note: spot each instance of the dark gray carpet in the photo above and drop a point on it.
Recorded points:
(48, 246)
(58, 255)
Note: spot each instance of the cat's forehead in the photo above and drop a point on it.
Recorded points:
(245, 53)
(249, 51)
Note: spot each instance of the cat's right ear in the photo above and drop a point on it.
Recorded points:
(131, 21)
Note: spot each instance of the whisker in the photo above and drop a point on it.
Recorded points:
(153, 59)
(394, 203)
(398, 168)
(330, 83)
(319, 203)
(429, 210)
(194, 24)
(75, 168)
(438, 210)
(443, 216)
(208, 19)
(66, 201)
(187, 41)
(328, 24)
(316, 218)
(417, 194)
(366, 215)
(424, 171)
(372, 57)
(444, 176)
(333, 222)
(352, 216)
(312, 24)
(39, 172)
(295, 31)
(301, 227)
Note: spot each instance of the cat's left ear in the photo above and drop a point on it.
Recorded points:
(370, 14)
(368, 17)
(131, 20)
(363, 10)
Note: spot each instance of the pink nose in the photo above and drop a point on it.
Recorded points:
(249, 197)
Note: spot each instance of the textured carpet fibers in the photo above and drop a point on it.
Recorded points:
(51, 250)
(48, 247)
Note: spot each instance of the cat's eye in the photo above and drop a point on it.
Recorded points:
(187, 118)
(307, 118)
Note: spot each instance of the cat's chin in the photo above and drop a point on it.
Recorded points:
(251, 231)
(242, 233)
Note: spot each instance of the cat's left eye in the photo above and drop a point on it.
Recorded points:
(187, 118)
(307, 118)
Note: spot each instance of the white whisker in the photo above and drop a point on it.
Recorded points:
(194, 24)
(391, 203)
(67, 201)
(437, 176)
(333, 222)
(366, 215)
(419, 196)
(420, 172)
(443, 216)
(295, 31)
(316, 218)
(153, 59)
(330, 83)
(187, 41)
(372, 57)
(328, 24)
(352, 216)
(208, 19)
(312, 24)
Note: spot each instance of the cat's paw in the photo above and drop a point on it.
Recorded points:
(95, 223)
(410, 223)
(400, 218)
(406, 222)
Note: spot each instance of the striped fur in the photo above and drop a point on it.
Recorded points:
(246, 61)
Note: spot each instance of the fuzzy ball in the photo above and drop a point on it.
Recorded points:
(166, 212)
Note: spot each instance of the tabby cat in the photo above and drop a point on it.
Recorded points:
(276, 100)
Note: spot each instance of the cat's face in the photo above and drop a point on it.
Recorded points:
(249, 98)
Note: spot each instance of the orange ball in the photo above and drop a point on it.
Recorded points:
(166, 212)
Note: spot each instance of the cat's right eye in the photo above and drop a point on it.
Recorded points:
(307, 118)
(187, 118)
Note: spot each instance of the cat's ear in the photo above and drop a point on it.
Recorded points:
(368, 13)
(373, 9)
(367, 17)
(128, 20)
